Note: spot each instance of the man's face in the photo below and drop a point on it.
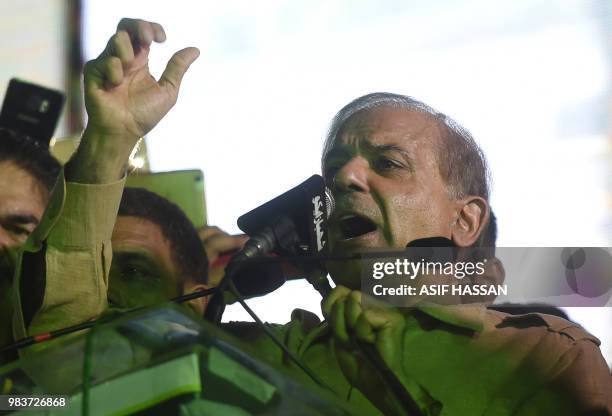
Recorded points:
(22, 203)
(384, 174)
(142, 271)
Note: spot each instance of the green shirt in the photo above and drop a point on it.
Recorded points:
(465, 360)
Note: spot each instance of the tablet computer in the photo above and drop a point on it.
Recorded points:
(183, 187)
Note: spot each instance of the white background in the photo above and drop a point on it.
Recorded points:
(33, 44)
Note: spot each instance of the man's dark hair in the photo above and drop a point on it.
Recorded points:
(187, 249)
(30, 156)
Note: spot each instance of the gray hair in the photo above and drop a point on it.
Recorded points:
(461, 162)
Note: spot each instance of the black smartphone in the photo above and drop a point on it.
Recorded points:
(31, 110)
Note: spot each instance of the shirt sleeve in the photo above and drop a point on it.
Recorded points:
(61, 278)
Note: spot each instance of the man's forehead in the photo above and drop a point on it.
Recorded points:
(135, 233)
(140, 237)
(140, 232)
(401, 121)
(20, 192)
(386, 127)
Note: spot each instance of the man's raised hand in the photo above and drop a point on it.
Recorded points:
(123, 101)
(121, 96)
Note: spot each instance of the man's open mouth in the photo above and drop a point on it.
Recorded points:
(352, 226)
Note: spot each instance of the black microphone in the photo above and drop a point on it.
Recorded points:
(293, 223)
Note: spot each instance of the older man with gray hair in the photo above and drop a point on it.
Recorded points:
(401, 171)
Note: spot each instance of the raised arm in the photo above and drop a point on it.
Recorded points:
(124, 102)
(68, 256)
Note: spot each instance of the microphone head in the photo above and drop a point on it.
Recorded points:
(294, 219)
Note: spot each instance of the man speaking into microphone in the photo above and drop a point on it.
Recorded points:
(401, 171)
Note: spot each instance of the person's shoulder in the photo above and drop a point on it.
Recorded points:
(545, 346)
(539, 325)
(557, 363)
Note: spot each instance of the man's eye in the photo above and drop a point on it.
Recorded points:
(384, 164)
(134, 273)
(17, 230)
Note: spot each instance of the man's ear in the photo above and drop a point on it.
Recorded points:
(198, 305)
(472, 217)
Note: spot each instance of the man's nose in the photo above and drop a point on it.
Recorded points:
(353, 176)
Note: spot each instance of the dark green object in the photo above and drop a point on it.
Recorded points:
(165, 361)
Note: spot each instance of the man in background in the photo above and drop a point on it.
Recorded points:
(157, 253)
(27, 174)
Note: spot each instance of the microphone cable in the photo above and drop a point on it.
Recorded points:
(275, 339)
